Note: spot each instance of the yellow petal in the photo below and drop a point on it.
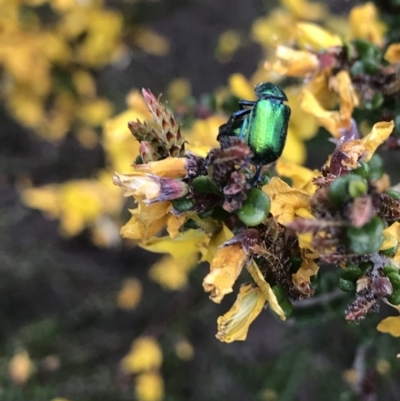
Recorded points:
(178, 90)
(171, 273)
(294, 150)
(331, 120)
(366, 147)
(191, 242)
(365, 23)
(391, 236)
(390, 325)
(172, 167)
(216, 240)
(303, 9)
(130, 294)
(224, 270)
(152, 42)
(285, 200)
(302, 278)
(139, 185)
(20, 367)
(149, 386)
(174, 224)
(145, 354)
(393, 53)
(146, 221)
(301, 176)
(294, 63)
(241, 87)
(234, 325)
(266, 289)
(311, 35)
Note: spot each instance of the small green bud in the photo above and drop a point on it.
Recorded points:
(183, 204)
(283, 299)
(366, 239)
(346, 285)
(363, 170)
(205, 185)
(390, 269)
(375, 102)
(394, 298)
(357, 188)
(255, 208)
(376, 167)
(351, 273)
(338, 191)
(394, 279)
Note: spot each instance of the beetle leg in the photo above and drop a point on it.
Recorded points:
(244, 103)
(257, 176)
(237, 115)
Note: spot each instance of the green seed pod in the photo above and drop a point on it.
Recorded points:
(366, 239)
(394, 298)
(394, 194)
(255, 208)
(390, 269)
(205, 185)
(377, 99)
(283, 299)
(347, 285)
(338, 191)
(357, 187)
(363, 170)
(351, 273)
(220, 214)
(182, 204)
(394, 279)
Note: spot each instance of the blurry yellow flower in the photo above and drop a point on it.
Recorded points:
(303, 9)
(294, 149)
(294, 63)
(234, 325)
(285, 201)
(364, 148)
(391, 236)
(392, 53)
(145, 354)
(146, 221)
(20, 367)
(228, 43)
(390, 325)
(95, 112)
(311, 35)
(152, 42)
(130, 294)
(178, 90)
(149, 387)
(224, 270)
(365, 23)
(84, 83)
(172, 273)
(184, 350)
(240, 87)
(203, 135)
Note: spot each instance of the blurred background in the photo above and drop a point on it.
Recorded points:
(85, 316)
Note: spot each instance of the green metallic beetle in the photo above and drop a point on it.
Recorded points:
(261, 124)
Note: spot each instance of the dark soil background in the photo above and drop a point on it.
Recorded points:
(58, 297)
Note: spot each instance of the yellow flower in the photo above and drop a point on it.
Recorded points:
(240, 87)
(392, 53)
(171, 167)
(311, 35)
(149, 386)
(130, 294)
(285, 201)
(224, 270)
(365, 24)
(152, 42)
(228, 43)
(145, 354)
(365, 148)
(302, 278)
(304, 9)
(390, 325)
(172, 273)
(184, 350)
(146, 220)
(234, 325)
(20, 367)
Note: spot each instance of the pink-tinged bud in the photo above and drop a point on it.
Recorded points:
(150, 188)
(147, 152)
